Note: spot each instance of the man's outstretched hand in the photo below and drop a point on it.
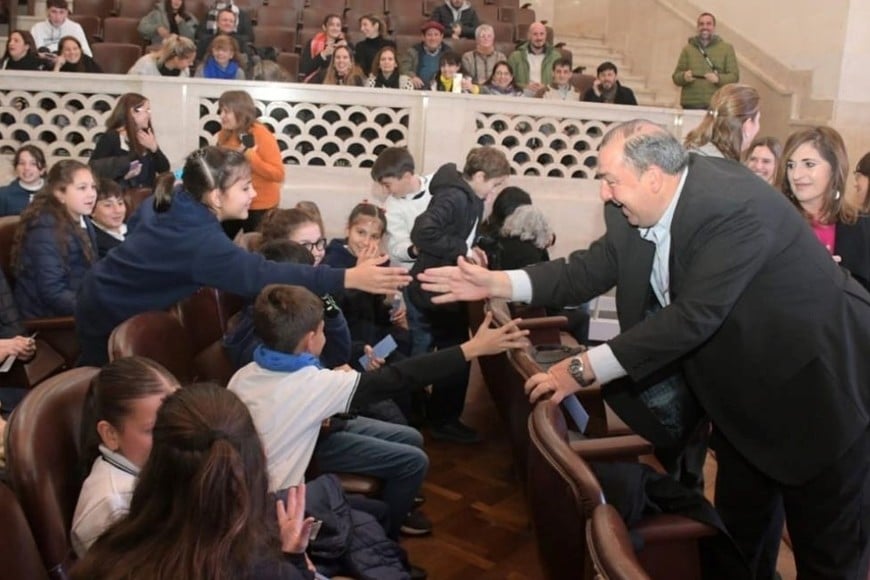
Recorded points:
(465, 282)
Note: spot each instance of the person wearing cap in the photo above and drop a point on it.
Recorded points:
(48, 33)
(421, 61)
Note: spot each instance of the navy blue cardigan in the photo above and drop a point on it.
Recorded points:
(46, 279)
(14, 198)
(167, 256)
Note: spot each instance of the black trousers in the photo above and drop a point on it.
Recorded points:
(449, 327)
(828, 516)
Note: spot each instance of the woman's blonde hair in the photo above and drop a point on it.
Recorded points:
(730, 107)
(175, 46)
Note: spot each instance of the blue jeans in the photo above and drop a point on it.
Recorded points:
(392, 453)
(418, 327)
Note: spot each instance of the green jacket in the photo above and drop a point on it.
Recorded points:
(520, 64)
(697, 92)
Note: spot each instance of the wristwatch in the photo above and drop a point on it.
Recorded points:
(576, 368)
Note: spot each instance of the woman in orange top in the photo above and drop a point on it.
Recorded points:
(240, 130)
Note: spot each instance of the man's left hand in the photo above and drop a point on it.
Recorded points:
(712, 77)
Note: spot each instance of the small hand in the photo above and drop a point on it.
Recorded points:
(294, 527)
(478, 257)
(467, 84)
(375, 362)
(59, 62)
(457, 30)
(163, 32)
(399, 317)
(688, 76)
(535, 87)
(417, 82)
(712, 77)
(135, 169)
(147, 139)
(488, 340)
(370, 252)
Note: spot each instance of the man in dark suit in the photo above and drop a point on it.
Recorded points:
(773, 337)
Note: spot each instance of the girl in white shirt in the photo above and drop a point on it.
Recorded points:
(117, 425)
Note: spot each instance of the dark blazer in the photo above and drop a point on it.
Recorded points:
(112, 161)
(772, 335)
(852, 244)
(624, 96)
(105, 241)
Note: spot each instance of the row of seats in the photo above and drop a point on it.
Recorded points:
(577, 533)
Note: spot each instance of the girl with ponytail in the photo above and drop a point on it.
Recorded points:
(119, 414)
(201, 508)
(731, 123)
(176, 245)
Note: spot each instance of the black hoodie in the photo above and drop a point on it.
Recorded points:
(441, 233)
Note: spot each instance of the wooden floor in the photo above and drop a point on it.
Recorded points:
(481, 524)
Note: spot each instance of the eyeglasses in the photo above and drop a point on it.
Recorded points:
(310, 246)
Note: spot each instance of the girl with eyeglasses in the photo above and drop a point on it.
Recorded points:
(295, 225)
(128, 152)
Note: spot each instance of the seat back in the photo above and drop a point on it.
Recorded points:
(205, 316)
(115, 57)
(562, 493)
(276, 16)
(123, 30)
(135, 8)
(610, 547)
(281, 38)
(19, 557)
(158, 336)
(90, 24)
(290, 62)
(42, 455)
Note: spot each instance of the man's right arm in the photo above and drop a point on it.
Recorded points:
(679, 76)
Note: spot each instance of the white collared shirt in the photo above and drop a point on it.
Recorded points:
(601, 357)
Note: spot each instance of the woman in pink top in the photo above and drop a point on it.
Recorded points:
(813, 176)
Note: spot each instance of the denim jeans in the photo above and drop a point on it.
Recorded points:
(392, 453)
(418, 327)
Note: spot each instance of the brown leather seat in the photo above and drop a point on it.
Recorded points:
(90, 24)
(19, 557)
(281, 38)
(276, 16)
(122, 29)
(612, 553)
(158, 336)
(42, 455)
(115, 57)
(290, 62)
(100, 8)
(560, 478)
(205, 316)
(135, 8)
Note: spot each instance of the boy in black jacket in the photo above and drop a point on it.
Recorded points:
(442, 233)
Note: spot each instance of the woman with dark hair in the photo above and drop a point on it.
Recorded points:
(813, 177)
(732, 122)
(29, 162)
(762, 157)
(201, 507)
(21, 53)
(119, 413)
(54, 244)
(317, 53)
(342, 70)
(862, 184)
(240, 130)
(71, 58)
(128, 152)
(501, 83)
(168, 17)
(450, 67)
(385, 72)
(176, 245)
(222, 60)
(368, 48)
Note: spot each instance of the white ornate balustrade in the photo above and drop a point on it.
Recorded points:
(330, 136)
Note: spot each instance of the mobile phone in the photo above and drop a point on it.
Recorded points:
(247, 140)
(383, 349)
(315, 530)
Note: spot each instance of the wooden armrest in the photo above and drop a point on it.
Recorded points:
(359, 484)
(610, 448)
(52, 323)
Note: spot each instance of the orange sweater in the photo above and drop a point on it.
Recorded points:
(266, 167)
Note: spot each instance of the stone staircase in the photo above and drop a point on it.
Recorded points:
(590, 52)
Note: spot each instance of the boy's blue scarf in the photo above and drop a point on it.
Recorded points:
(273, 360)
(212, 70)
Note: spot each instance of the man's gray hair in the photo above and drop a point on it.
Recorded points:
(481, 29)
(646, 143)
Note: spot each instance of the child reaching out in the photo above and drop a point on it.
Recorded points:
(370, 317)
(119, 415)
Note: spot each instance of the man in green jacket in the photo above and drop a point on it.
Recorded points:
(706, 63)
(532, 62)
